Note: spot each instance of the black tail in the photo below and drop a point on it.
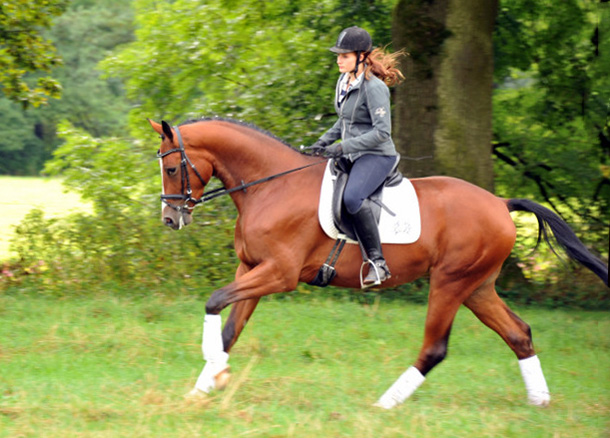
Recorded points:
(563, 234)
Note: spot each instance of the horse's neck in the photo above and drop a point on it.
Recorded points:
(241, 156)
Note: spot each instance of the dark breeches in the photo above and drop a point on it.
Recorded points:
(366, 175)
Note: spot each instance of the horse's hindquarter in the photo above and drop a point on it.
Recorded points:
(464, 227)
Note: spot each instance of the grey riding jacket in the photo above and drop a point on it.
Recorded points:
(364, 125)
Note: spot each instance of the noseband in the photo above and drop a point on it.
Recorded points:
(186, 192)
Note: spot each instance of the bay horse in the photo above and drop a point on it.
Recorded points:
(466, 235)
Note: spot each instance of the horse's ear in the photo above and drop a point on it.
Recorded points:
(156, 126)
(167, 130)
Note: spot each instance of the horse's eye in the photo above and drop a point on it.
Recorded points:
(171, 171)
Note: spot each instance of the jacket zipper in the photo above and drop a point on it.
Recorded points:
(342, 106)
(343, 128)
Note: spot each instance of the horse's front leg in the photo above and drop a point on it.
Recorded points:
(215, 374)
(238, 318)
(245, 292)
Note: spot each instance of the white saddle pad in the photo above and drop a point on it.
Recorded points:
(403, 227)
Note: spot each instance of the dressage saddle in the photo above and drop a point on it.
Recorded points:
(340, 172)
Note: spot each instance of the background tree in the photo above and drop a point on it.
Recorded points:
(264, 62)
(443, 110)
(551, 108)
(419, 28)
(550, 100)
(24, 50)
(83, 35)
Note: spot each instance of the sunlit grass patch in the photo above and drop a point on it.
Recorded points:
(21, 194)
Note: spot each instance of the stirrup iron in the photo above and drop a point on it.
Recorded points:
(373, 268)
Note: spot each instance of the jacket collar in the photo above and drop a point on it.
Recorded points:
(355, 84)
(339, 100)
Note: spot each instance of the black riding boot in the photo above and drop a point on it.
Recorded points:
(366, 229)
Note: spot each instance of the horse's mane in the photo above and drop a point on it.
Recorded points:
(239, 123)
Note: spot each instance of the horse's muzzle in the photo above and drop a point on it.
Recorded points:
(176, 219)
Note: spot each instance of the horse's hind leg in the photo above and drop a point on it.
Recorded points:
(494, 313)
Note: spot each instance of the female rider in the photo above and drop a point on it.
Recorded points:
(362, 102)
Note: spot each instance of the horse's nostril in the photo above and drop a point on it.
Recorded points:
(169, 222)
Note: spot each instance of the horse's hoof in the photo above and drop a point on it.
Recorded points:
(381, 405)
(195, 394)
(221, 379)
(541, 400)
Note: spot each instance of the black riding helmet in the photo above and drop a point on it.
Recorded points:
(353, 39)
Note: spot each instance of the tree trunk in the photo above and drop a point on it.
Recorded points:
(418, 28)
(443, 114)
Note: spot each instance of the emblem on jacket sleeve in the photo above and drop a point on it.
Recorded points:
(380, 111)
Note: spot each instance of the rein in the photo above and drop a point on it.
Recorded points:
(222, 191)
(215, 193)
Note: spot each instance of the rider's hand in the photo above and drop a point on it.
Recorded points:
(317, 148)
(334, 150)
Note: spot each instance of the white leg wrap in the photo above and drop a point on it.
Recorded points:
(212, 337)
(537, 390)
(213, 353)
(402, 389)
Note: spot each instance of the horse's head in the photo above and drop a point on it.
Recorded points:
(183, 176)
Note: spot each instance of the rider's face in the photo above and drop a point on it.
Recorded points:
(346, 62)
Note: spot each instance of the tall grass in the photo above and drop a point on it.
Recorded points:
(117, 366)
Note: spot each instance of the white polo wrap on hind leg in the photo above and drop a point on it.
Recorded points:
(537, 391)
(213, 353)
(402, 389)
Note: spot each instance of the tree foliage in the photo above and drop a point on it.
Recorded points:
(87, 33)
(551, 116)
(272, 75)
(121, 239)
(83, 35)
(264, 62)
(24, 50)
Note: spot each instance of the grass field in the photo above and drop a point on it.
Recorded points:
(21, 194)
(117, 367)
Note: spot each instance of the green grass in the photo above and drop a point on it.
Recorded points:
(108, 366)
(21, 194)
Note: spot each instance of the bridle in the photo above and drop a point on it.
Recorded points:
(185, 180)
(187, 197)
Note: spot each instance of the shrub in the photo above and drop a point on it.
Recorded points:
(122, 238)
